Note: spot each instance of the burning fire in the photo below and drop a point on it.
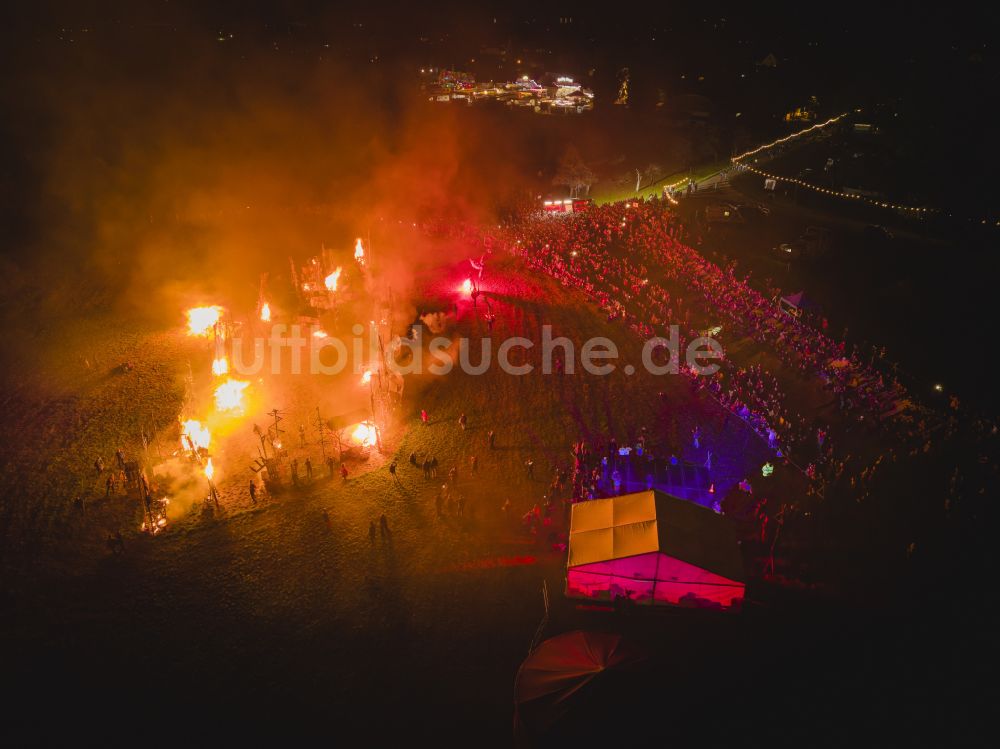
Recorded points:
(366, 377)
(229, 395)
(467, 287)
(332, 279)
(265, 312)
(320, 333)
(194, 431)
(220, 366)
(209, 470)
(201, 320)
(359, 252)
(364, 434)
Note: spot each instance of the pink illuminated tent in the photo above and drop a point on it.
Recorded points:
(653, 548)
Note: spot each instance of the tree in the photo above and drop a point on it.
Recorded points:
(574, 173)
(649, 174)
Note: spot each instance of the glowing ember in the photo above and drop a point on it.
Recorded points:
(194, 431)
(209, 470)
(366, 377)
(265, 312)
(202, 319)
(332, 279)
(220, 366)
(364, 434)
(467, 287)
(229, 395)
(359, 252)
(320, 333)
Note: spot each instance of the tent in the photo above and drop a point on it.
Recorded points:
(798, 303)
(566, 675)
(653, 548)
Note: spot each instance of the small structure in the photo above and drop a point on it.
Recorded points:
(566, 677)
(798, 305)
(652, 549)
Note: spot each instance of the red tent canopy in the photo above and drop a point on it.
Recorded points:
(562, 670)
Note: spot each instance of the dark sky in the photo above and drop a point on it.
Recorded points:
(134, 133)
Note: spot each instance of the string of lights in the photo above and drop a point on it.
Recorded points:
(787, 138)
(737, 162)
(837, 193)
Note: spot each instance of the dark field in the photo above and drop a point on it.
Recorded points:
(263, 621)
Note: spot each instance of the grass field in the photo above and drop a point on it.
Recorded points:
(608, 193)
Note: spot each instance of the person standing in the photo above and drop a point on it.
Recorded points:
(462, 421)
(329, 465)
(423, 417)
(253, 492)
(343, 472)
(392, 470)
(309, 470)
(474, 462)
(492, 439)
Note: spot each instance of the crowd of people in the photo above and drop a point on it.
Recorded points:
(631, 258)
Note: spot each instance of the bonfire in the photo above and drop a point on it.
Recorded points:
(365, 434)
(332, 279)
(202, 320)
(229, 396)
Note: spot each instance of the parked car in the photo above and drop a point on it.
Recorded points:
(723, 213)
(789, 251)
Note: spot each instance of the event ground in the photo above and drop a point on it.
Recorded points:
(264, 622)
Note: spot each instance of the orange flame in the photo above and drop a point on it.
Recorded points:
(229, 396)
(359, 252)
(201, 320)
(197, 433)
(332, 279)
(364, 434)
(209, 470)
(220, 366)
(265, 312)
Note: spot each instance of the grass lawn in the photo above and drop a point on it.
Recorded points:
(605, 192)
